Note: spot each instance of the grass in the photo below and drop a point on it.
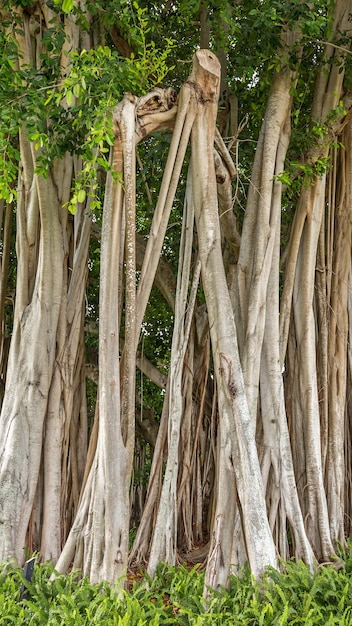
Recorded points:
(294, 596)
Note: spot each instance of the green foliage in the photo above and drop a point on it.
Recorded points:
(72, 111)
(295, 596)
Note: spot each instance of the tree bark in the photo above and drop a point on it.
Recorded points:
(238, 458)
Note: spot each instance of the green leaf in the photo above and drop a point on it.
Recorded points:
(67, 6)
(76, 90)
(69, 98)
(81, 196)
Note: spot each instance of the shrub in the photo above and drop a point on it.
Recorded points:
(294, 596)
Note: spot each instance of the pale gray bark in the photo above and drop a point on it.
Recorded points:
(30, 368)
(308, 450)
(164, 544)
(338, 342)
(105, 554)
(238, 458)
(261, 222)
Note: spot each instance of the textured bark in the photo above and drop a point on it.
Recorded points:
(237, 458)
(275, 447)
(44, 393)
(105, 555)
(164, 544)
(306, 414)
(337, 341)
(29, 372)
(261, 222)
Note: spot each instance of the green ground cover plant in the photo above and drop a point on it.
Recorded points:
(294, 596)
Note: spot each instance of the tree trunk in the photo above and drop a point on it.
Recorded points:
(237, 460)
(164, 543)
(31, 358)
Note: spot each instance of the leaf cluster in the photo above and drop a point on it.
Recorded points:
(70, 110)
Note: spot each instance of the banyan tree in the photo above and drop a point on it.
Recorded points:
(249, 456)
